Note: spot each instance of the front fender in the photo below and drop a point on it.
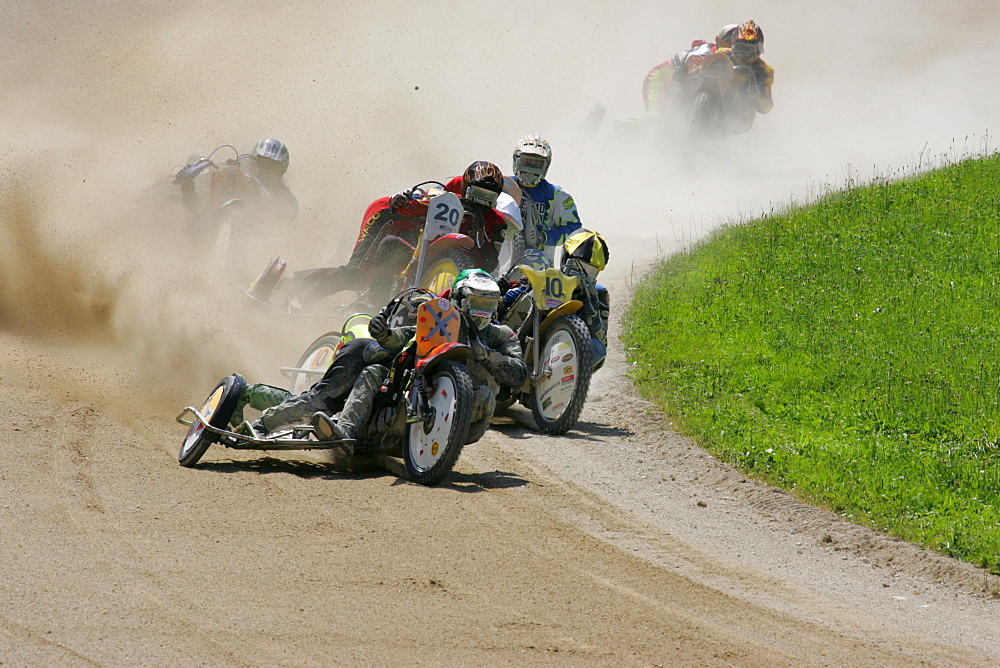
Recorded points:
(234, 204)
(441, 244)
(572, 306)
(459, 352)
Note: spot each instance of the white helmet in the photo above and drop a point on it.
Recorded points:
(275, 155)
(477, 295)
(532, 158)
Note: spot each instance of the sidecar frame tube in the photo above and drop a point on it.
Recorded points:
(231, 439)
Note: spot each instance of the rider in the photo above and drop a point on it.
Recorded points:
(748, 44)
(496, 359)
(585, 254)
(661, 81)
(390, 230)
(548, 211)
(270, 157)
(281, 408)
(267, 190)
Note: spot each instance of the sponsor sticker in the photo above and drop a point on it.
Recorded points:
(444, 304)
(546, 402)
(567, 357)
(567, 379)
(567, 369)
(552, 303)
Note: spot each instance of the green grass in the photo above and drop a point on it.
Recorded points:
(847, 351)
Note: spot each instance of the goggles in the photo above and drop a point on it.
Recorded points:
(481, 306)
(745, 52)
(480, 195)
(531, 165)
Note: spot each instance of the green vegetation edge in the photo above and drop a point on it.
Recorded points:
(846, 351)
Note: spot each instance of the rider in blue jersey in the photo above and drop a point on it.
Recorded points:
(548, 211)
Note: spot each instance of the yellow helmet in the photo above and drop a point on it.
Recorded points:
(587, 246)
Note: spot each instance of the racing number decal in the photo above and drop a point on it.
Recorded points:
(446, 214)
(554, 287)
(551, 287)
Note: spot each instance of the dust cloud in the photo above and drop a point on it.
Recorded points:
(103, 99)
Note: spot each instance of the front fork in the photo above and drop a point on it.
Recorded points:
(418, 409)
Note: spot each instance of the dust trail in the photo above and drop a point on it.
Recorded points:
(101, 99)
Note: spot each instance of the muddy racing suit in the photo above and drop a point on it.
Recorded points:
(281, 408)
(386, 243)
(501, 363)
(550, 211)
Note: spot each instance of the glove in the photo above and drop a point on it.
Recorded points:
(504, 284)
(378, 327)
(601, 335)
(400, 199)
(479, 351)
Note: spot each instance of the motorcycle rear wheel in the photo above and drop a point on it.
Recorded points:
(431, 450)
(217, 409)
(557, 401)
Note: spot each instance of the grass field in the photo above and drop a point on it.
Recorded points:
(847, 351)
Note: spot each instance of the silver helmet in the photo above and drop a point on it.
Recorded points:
(532, 158)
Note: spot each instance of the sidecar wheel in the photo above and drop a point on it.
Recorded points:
(431, 450)
(557, 401)
(441, 271)
(217, 409)
(318, 357)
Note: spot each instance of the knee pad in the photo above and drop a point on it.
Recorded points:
(484, 402)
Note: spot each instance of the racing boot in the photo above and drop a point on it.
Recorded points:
(253, 429)
(328, 429)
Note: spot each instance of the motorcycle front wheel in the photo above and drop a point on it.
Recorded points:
(317, 359)
(217, 409)
(704, 115)
(557, 400)
(442, 269)
(431, 447)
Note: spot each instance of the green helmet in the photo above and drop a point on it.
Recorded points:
(476, 294)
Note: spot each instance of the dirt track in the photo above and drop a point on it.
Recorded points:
(621, 543)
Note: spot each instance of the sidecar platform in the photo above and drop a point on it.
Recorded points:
(295, 438)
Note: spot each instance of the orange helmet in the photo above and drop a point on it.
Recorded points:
(748, 43)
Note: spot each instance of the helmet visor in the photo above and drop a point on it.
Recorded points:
(481, 195)
(530, 168)
(482, 309)
(581, 266)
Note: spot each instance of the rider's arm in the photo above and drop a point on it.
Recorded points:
(564, 219)
(765, 79)
(505, 359)
(389, 346)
